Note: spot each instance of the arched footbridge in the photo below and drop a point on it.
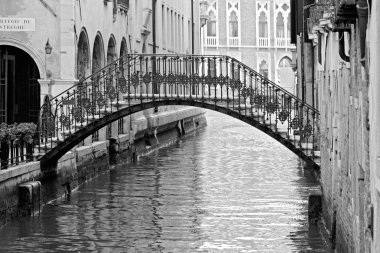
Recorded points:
(138, 82)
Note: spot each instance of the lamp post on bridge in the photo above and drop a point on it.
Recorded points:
(203, 21)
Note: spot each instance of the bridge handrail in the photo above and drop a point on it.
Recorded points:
(216, 81)
(277, 86)
(135, 56)
(87, 78)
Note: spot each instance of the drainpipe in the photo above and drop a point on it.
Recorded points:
(302, 67)
(362, 9)
(154, 25)
(192, 44)
(311, 52)
(154, 88)
(342, 50)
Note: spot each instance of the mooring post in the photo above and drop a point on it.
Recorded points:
(29, 195)
(315, 205)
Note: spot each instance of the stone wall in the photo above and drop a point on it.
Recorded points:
(373, 37)
(10, 179)
(343, 98)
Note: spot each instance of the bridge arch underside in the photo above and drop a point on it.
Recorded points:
(70, 142)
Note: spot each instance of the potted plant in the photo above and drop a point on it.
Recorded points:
(25, 133)
(18, 134)
(7, 134)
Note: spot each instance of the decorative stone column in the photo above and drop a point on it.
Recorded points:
(45, 88)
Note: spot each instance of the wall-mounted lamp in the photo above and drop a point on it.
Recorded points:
(48, 48)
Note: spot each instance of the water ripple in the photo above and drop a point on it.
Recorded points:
(227, 188)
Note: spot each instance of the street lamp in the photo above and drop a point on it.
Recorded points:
(203, 12)
(203, 4)
(48, 50)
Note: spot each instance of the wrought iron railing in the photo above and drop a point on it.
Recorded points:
(220, 81)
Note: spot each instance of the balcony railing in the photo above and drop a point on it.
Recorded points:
(123, 5)
(281, 42)
(211, 41)
(263, 42)
(233, 41)
(288, 42)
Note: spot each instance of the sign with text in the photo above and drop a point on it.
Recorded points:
(17, 24)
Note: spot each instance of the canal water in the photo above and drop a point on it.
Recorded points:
(225, 188)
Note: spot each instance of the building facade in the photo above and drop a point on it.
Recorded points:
(47, 46)
(256, 32)
(338, 42)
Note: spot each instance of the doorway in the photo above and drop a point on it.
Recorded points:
(19, 87)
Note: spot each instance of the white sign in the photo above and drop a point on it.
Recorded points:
(17, 24)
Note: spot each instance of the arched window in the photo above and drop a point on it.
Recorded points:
(97, 54)
(123, 47)
(263, 25)
(83, 56)
(111, 50)
(211, 24)
(280, 33)
(263, 68)
(234, 26)
(285, 62)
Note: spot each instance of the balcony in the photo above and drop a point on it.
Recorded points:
(211, 41)
(346, 13)
(281, 42)
(233, 41)
(123, 5)
(263, 42)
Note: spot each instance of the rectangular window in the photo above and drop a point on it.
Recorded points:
(172, 31)
(212, 68)
(120, 126)
(168, 28)
(264, 72)
(183, 36)
(179, 33)
(211, 28)
(95, 136)
(189, 36)
(163, 26)
(263, 30)
(175, 32)
(109, 131)
(234, 29)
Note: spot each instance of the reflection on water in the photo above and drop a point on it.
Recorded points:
(227, 188)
